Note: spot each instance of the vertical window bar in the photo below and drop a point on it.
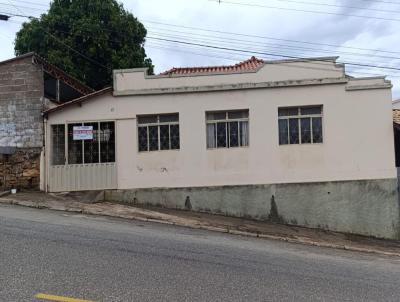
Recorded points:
(216, 133)
(239, 135)
(227, 134)
(312, 131)
(148, 139)
(169, 136)
(83, 148)
(159, 140)
(288, 131)
(66, 143)
(99, 139)
(298, 121)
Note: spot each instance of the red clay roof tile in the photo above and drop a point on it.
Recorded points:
(251, 64)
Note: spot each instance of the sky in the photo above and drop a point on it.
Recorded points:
(363, 33)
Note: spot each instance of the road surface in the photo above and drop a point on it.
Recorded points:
(103, 259)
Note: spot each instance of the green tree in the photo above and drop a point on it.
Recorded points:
(102, 30)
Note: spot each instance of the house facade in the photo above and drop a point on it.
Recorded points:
(294, 141)
(28, 86)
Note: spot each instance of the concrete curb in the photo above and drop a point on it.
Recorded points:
(200, 227)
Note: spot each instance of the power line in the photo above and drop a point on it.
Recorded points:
(304, 10)
(267, 37)
(20, 6)
(329, 5)
(17, 15)
(174, 49)
(282, 49)
(259, 52)
(69, 47)
(231, 49)
(77, 52)
(269, 54)
(243, 56)
(263, 44)
(33, 3)
(381, 1)
(257, 37)
(227, 40)
(14, 6)
(253, 50)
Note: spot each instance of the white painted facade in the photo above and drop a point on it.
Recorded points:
(357, 128)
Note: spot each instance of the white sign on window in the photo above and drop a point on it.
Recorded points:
(82, 133)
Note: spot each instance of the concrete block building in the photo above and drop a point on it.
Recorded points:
(296, 141)
(28, 86)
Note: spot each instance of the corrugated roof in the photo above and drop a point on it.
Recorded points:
(54, 71)
(396, 116)
(251, 64)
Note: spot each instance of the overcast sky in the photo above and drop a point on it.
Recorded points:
(266, 29)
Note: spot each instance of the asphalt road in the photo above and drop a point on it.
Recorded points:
(103, 259)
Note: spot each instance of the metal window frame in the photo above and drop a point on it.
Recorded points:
(83, 145)
(300, 116)
(228, 120)
(52, 145)
(158, 124)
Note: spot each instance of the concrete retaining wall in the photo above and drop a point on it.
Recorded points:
(366, 207)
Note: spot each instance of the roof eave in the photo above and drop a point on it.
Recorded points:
(78, 101)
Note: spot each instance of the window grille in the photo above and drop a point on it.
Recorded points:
(58, 144)
(227, 129)
(158, 132)
(100, 149)
(300, 125)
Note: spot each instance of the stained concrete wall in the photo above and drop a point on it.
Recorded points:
(367, 207)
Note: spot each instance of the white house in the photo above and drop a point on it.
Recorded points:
(298, 136)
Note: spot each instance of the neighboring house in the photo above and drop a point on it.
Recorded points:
(396, 128)
(396, 104)
(294, 141)
(28, 85)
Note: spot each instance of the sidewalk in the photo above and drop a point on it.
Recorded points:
(237, 226)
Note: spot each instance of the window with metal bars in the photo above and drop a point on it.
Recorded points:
(99, 149)
(158, 132)
(300, 125)
(58, 144)
(227, 129)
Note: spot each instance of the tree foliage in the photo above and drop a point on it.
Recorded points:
(102, 30)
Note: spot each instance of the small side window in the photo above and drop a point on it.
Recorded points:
(58, 144)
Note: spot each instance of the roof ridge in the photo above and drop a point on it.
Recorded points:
(250, 64)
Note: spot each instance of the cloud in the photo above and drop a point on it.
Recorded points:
(344, 31)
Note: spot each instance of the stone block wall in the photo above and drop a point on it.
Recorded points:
(20, 170)
(21, 123)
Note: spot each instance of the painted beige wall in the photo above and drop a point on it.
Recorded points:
(357, 125)
(135, 79)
